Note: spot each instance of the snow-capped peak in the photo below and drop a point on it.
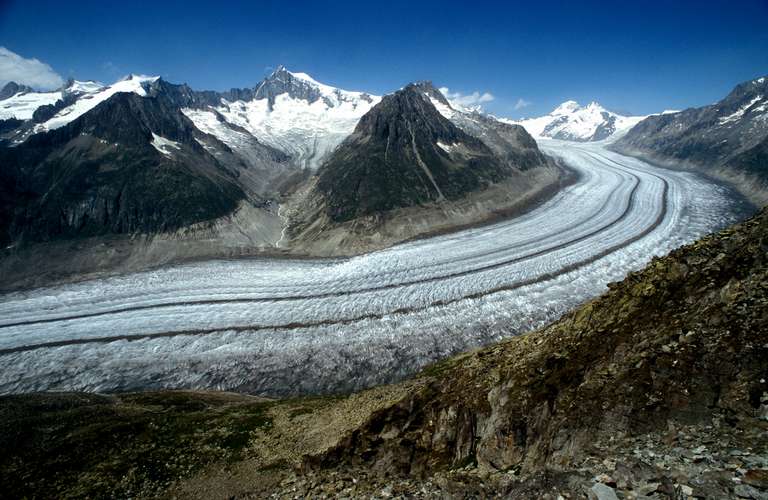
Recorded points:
(83, 87)
(302, 86)
(292, 112)
(566, 108)
(138, 78)
(573, 122)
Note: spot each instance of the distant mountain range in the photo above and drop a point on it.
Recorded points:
(572, 122)
(146, 156)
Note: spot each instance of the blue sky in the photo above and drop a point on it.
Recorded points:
(638, 57)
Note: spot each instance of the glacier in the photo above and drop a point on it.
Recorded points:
(307, 130)
(282, 327)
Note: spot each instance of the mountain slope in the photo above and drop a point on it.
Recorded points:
(130, 164)
(656, 390)
(510, 142)
(404, 153)
(572, 122)
(407, 171)
(728, 139)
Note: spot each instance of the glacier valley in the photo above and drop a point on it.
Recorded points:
(281, 327)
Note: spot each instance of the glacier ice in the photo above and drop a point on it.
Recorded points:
(283, 327)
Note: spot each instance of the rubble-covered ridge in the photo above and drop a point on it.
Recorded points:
(661, 381)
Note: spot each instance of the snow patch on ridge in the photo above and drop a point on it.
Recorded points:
(165, 146)
(448, 148)
(442, 108)
(94, 97)
(739, 112)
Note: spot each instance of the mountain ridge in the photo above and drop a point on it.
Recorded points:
(728, 139)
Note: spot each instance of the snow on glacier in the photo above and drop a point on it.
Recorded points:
(308, 131)
(287, 327)
(24, 104)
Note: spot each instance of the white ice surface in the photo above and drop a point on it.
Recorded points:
(23, 105)
(283, 327)
(307, 131)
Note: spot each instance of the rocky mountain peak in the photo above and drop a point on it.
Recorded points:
(408, 109)
(282, 81)
(403, 152)
(12, 88)
(427, 88)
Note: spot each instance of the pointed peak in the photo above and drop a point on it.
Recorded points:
(425, 85)
(82, 87)
(139, 78)
(427, 88)
(278, 71)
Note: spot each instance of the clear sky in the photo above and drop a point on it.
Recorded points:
(632, 56)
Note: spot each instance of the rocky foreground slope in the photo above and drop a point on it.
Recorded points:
(657, 389)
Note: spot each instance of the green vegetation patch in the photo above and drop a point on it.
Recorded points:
(64, 445)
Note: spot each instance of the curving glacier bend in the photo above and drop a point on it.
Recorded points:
(289, 327)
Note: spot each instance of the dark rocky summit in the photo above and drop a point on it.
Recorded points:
(12, 88)
(728, 139)
(657, 389)
(101, 173)
(403, 153)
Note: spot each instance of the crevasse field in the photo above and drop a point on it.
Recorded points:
(285, 327)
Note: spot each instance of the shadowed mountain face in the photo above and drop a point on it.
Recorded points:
(13, 88)
(730, 135)
(402, 153)
(132, 164)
